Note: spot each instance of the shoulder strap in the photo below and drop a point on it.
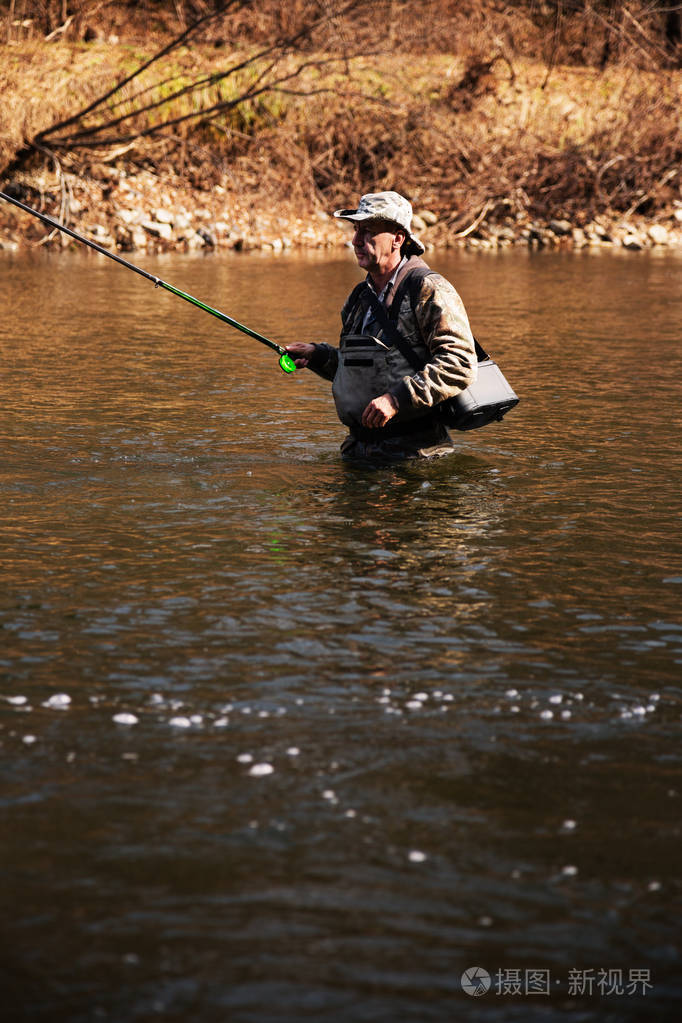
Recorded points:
(411, 278)
(392, 331)
(412, 282)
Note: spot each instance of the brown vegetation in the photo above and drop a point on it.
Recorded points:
(492, 113)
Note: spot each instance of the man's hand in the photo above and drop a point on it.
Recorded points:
(301, 353)
(379, 411)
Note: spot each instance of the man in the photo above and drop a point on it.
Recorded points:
(387, 404)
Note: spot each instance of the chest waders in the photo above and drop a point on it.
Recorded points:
(369, 366)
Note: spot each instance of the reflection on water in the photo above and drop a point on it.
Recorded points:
(286, 738)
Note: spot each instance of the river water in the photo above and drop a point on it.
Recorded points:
(285, 739)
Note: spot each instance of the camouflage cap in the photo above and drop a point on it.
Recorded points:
(390, 206)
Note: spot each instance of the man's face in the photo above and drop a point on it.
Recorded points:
(376, 245)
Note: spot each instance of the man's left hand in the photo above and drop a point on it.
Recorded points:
(379, 411)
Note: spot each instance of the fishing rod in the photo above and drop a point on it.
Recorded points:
(285, 360)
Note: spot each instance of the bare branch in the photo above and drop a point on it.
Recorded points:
(252, 93)
(91, 135)
(173, 44)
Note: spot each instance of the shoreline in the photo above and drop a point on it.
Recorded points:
(136, 211)
(511, 158)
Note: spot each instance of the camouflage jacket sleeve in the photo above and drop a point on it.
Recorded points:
(451, 363)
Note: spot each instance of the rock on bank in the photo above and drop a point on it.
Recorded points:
(129, 211)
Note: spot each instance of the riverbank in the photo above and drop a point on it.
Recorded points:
(141, 212)
(493, 154)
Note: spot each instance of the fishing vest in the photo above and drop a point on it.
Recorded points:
(369, 364)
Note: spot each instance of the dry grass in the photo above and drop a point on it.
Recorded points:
(588, 143)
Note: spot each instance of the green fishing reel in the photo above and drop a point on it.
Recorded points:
(287, 363)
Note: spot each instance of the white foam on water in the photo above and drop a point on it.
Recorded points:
(261, 770)
(293, 751)
(245, 758)
(16, 701)
(180, 722)
(29, 739)
(416, 856)
(125, 719)
(59, 701)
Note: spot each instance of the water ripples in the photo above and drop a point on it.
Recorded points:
(265, 712)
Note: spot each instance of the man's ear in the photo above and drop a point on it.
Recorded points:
(399, 239)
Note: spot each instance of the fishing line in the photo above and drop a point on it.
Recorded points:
(285, 360)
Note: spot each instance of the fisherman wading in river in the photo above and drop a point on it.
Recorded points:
(391, 409)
